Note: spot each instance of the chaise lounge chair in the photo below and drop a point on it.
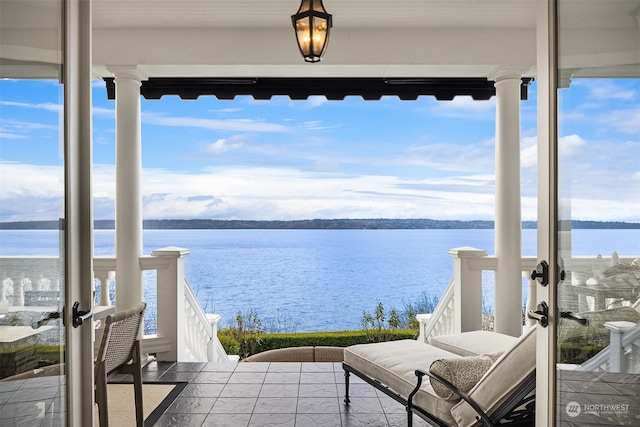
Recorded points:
(474, 377)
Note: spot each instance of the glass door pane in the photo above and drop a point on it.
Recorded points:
(32, 338)
(598, 330)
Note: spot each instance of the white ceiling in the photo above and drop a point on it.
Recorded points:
(346, 13)
(371, 38)
(424, 38)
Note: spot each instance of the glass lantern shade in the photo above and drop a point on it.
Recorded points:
(312, 24)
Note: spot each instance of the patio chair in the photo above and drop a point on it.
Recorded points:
(485, 383)
(120, 352)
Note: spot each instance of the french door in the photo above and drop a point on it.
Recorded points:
(45, 123)
(588, 369)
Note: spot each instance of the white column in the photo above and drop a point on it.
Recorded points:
(129, 288)
(508, 223)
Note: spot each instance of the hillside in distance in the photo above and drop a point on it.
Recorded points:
(317, 224)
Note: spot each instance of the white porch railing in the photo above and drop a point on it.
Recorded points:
(184, 331)
(201, 327)
(460, 307)
(623, 352)
(621, 355)
(442, 320)
(25, 280)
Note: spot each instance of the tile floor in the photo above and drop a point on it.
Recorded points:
(598, 399)
(273, 394)
(300, 394)
(32, 402)
(233, 394)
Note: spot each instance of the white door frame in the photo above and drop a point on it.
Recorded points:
(547, 206)
(78, 208)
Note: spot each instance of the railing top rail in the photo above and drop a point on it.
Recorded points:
(442, 305)
(631, 336)
(197, 308)
(490, 262)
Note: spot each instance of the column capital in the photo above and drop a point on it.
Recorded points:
(132, 72)
(506, 73)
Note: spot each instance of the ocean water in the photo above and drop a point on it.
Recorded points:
(312, 280)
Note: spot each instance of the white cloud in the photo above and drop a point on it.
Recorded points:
(315, 101)
(226, 144)
(625, 121)
(101, 111)
(235, 125)
(570, 144)
(607, 89)
(7, 135)
(42, 106)
(466, 107)
(473, 157)
(461, 186)
(313, 125)
(25, 126)
(227, 110)
(17, 129)
(30, 192)
(529, 152)
(257, 193)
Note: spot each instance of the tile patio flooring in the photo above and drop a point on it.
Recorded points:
(272, 394)
(231, 394)
(300, 394)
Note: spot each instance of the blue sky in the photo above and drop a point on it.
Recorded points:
(283, 159)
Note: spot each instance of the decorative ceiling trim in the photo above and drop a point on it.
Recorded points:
(443, 89)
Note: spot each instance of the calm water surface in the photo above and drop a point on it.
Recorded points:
(312, 280)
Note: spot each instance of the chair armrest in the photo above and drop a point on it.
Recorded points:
(420, 373)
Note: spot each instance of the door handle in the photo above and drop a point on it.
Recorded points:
(79, 316)
(573, 316)
(541, 314)
(541, 273)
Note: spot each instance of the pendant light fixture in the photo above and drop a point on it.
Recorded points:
(312, 24)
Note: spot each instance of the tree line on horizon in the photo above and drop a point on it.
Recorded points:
(317, 224)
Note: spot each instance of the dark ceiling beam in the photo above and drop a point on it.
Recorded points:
(443, 89)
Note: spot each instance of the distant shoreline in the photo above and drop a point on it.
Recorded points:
(315, 224)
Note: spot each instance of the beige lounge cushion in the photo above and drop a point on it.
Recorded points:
(290, 354)
(461, 372)
(328, 354)
(394, 363)
(474, 343)
(499, 382)
(299, 354)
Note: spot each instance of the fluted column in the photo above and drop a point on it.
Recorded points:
(508, 222)
(129, 285)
